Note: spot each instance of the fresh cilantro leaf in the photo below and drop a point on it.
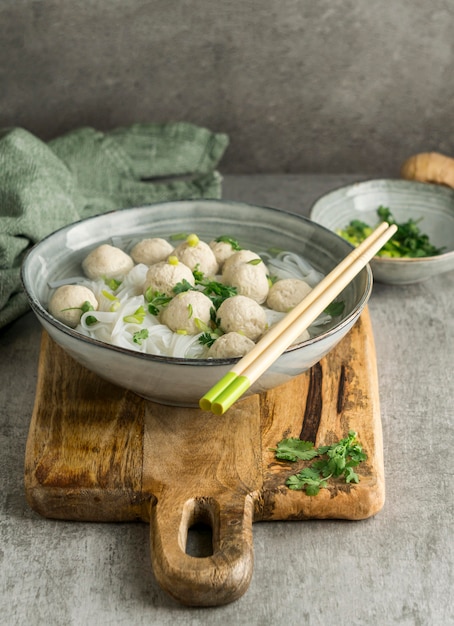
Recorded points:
(350, 475)
(293, 449)
(307, 480)
(182, 286)
(233, 242)
(408, 241)
(140, 335)
(156, 301)
(336, 460)
(217, 292)
(198, 275)
(208, 339)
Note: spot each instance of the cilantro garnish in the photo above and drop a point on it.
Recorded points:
(209, 336)
(156, 300)
(217, 292)
(408, 241)
(295, 449)
(198, 275)
(233, 242)
(182, 286)
(140, 335)
(207, 339)
(337, 460)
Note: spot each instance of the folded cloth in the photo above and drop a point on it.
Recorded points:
(44, 186)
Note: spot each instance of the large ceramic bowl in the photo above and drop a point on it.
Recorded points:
(177, 381)
(431, 205)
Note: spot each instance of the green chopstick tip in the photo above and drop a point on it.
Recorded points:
(230, 395)
(205, 403)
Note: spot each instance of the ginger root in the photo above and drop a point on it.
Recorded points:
(429, 167)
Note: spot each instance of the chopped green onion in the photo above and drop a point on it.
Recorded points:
(108, 295)
(192, 240)
(137, 317)
(204, 328)
(112, 283)
(178, 236)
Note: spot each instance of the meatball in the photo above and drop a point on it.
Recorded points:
(198, 255)
(150, 251)
(240, 258)
(163, 276)
(250, 281)
(107, 261)
(285, 294)
(183, 312)
(67, 301)
(243, 315)
(222, 251)
(230, 345)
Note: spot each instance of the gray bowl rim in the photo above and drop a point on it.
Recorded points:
(428, 187)
(41, 312)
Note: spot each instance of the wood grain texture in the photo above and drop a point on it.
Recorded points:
(99, 453)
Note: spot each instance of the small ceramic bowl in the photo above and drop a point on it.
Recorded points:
(179, 381)
(433, 205)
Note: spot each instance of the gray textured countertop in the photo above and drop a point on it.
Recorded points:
(395, 568)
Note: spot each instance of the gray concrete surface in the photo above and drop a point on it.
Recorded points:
(300, 86)
(395, 568)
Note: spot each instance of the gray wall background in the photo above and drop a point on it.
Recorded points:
(300, 86)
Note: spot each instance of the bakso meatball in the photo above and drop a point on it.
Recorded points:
(150, 251)
(163, 276)
(222, 251)
(242, 315)
(198, 255)
(250, 281)
(241, 257)
(230, 345)
(107, 261)
(67, 302)
(285, 294)
(183, 312)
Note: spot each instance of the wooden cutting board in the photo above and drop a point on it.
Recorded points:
(96, 452)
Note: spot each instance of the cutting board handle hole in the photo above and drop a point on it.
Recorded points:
(197, 527)
(200, 541)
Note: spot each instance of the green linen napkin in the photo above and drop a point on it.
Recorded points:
(44, 186)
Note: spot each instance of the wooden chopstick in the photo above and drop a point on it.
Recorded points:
(250, 367)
